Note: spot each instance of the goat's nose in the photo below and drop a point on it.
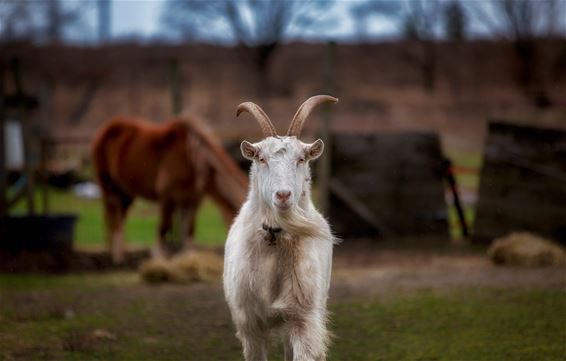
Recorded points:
(283, 195)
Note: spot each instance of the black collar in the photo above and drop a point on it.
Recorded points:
(271, 235)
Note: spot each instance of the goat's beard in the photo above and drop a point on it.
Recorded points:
(296, 221)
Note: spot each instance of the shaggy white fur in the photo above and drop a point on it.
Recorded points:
(282, 286)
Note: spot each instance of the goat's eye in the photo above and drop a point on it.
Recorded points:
(301, 161)
(262, 161)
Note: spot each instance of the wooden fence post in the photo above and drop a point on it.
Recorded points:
(46, 102)
(27, 136)
(44, 156)
(176, 91)
(324, 164)
(449, 176)
(3, 185)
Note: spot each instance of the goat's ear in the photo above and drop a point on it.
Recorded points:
(249, 151)
(315, 149)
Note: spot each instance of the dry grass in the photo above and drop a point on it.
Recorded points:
(526, 250)
(76, 341)
(191, 266)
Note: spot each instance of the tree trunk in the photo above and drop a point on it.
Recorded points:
(526, 52)
(262, 60)
(428, 66)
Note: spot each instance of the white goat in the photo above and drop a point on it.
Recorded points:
(279, 249)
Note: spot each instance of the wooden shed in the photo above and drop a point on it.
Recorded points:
(388, 185)
(523, 182)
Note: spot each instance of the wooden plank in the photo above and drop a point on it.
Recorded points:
(523, 182)
(359, 207)
(399, 179)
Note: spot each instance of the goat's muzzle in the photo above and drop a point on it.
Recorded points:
(281, 200)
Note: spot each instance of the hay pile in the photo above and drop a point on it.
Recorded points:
(191, 266)
(527, 250)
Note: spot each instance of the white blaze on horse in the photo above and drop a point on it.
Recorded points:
(175, 164)
(278, 254)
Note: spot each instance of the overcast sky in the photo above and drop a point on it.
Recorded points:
(142, 18)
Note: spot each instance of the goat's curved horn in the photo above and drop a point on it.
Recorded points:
(266, 126)
(304, 111)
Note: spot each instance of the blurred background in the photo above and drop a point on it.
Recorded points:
(450, 133)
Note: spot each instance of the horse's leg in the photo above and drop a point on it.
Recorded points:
(167, 208)
(111, 210)
(115, 209)
(188, 217)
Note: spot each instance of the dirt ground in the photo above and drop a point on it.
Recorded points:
(359, 267)
(113, 315)
(377, 271)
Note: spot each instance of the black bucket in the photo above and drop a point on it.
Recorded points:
(39, 233)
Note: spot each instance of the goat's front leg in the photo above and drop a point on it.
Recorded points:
(287, 347)
(254, 337)
(308, 339)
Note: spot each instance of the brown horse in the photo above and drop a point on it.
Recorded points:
(174, 163)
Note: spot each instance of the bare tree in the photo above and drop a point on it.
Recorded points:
(257, 27)
(526, 23)
(17, 20)
(417, 22)
(39, 21)
(455, 21)
(455, 31)
(104, 20)
(419, 25)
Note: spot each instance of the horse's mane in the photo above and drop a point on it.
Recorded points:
(228, 172)
(221, 158)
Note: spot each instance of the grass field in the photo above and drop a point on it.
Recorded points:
(141, 223)
(114, 317)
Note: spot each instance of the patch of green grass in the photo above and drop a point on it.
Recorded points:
(42, 282)
(469, 160)
(472, 324)
(465, 159)
(141, 222)
(41, 315)
(210, 227)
